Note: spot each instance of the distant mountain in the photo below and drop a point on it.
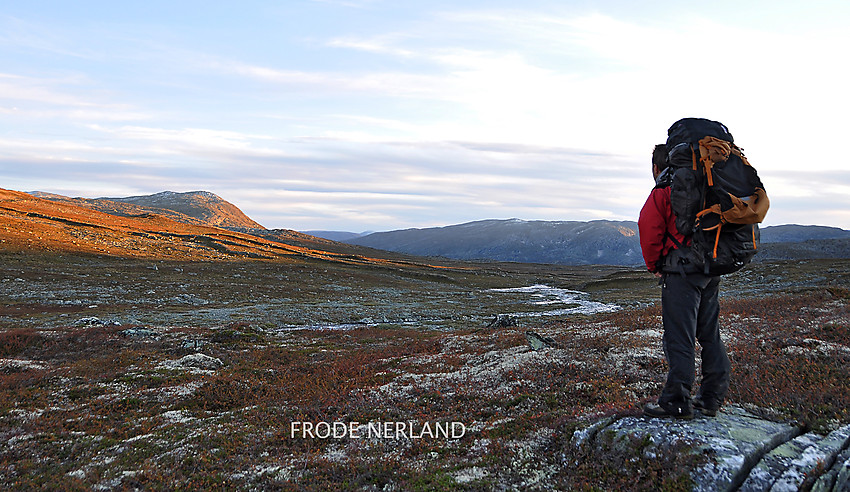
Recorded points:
(582, 243)
(194, 207)
(800, 233)
(336, 235)
(567, 243)
(804, 250)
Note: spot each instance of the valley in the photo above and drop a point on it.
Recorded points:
(45, 289)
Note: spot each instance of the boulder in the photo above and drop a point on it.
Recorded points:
(141, 333)
(539, 342)
(92, 321)
(503, 321)
(195, 361)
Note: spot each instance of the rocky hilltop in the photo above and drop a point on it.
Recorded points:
(748, 453)
(194, 207)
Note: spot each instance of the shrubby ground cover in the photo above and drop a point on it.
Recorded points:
(116, 396)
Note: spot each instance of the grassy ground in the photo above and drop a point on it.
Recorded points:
(123, 401)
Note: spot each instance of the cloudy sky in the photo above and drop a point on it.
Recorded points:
(385, 114)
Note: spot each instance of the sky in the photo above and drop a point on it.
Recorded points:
(371, 115)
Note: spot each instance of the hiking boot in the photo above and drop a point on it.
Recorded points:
(706, 405)
(677, 410)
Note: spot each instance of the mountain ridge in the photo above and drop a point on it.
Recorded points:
(581, 243)
(512, 240)
(516, 240)
(193, 207)
(31, 223)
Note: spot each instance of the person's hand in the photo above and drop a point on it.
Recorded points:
(657, 274)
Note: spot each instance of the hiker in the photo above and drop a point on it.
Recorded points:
(689, 305)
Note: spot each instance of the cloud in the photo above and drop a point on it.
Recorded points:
(402, 183)
(433, 118)
(595, 76)
(384, 45)
(34, 37)
(316, 84)
(189, 138)
(45, 99)
(350, 3)
(336, 184)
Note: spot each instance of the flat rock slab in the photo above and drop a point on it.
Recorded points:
(746, 452)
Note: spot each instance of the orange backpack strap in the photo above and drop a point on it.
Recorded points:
(713, 150)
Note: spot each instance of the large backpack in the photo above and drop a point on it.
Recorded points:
(717, 198)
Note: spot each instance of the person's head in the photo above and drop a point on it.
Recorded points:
(659, 159)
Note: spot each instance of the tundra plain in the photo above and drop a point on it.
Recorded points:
(148, 373)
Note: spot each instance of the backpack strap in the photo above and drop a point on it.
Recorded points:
(712, 150)
(679, 246)
(676, 260)
(675, 241)
(664, 179)
(694, 157)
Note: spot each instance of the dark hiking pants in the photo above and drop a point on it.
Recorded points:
(690, 310)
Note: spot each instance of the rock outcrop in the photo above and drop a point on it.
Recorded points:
(194, 207)
(744, 452)
(196, 361)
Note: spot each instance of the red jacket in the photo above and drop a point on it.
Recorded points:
(656, 217)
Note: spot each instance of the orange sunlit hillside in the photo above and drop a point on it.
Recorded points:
(29, 223)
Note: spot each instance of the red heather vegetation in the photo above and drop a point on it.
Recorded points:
(98, 406)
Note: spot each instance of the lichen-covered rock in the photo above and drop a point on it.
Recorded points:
(837, 478)
(734, 439)
(812, 461)
(8, 366)
(774, 463)
(194, 361)
(141, 333)
(92, 321)
(842, 483)
(746, 453)
(589, 433)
